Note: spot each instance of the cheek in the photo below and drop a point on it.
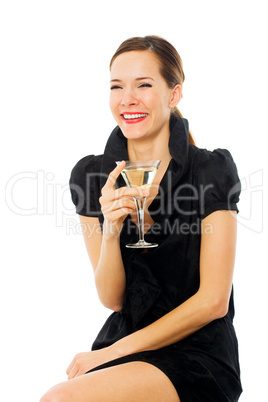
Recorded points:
(164, 101)
(161, 108)
(158, 100)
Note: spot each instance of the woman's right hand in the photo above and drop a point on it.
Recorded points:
(116, 204)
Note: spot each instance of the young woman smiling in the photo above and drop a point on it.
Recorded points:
(170, 336)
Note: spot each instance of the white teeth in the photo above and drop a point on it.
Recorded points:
(134, 116)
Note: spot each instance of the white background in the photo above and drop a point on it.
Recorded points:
(54, 110)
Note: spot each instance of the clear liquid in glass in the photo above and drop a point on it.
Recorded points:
(140, 174)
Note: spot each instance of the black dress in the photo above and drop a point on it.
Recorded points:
(204, 366)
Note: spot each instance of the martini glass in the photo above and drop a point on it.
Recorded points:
(140, 174)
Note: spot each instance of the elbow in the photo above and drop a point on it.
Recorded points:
(218, 308)
(111, 306)
(213, 306)
(117, 308)
(110, 298)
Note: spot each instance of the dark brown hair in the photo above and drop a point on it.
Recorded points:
(169, 59)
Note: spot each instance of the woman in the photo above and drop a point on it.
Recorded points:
(170, 336)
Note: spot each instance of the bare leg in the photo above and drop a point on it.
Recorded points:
(131, 382)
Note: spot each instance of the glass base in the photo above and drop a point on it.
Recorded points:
(142, 244)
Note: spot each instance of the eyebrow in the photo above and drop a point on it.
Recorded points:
(136, 79)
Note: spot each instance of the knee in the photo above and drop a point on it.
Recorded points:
(56, 394)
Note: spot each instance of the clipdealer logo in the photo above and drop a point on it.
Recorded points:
(251, 211)
(43, 196)
(31, 193)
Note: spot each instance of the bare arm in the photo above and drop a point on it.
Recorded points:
(103, 247)
(209, 303)
(106, 260)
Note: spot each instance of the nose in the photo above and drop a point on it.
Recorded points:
(129, 98)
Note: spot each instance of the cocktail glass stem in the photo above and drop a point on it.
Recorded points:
(140, 202)
(140, 174)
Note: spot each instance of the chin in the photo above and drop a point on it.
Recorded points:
(134, 131)
(133, 134)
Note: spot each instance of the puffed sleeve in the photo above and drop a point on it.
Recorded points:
(218, 182)
(84, 186)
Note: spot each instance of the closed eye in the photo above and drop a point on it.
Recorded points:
(115, 87)
(145, 85)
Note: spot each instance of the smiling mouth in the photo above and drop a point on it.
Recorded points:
(133, 117)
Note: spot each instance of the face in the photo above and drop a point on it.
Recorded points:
(140, 99)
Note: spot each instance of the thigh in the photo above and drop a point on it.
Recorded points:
(132, 382)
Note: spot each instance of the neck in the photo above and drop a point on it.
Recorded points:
(151, 149)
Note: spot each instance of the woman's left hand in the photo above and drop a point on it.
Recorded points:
(83, 362)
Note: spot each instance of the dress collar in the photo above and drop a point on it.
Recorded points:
(116, 150)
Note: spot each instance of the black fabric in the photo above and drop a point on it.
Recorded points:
(204, 366)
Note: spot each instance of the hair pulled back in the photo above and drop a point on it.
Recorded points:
(169, 59)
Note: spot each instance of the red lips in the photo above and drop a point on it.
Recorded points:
(132, 120)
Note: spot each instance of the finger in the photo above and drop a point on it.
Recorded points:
(130, 192)
(70, 367)
(114, 175)
(114, 216)
(73, 363)
(114, 196)
(73, 373)
(81, 371)
(124, 202)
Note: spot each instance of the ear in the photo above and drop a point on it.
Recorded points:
(175, 96)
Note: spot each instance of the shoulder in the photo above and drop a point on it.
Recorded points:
(216, 178)
(219, 156)
(88, 164)
(84, 185)
(217, 164)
